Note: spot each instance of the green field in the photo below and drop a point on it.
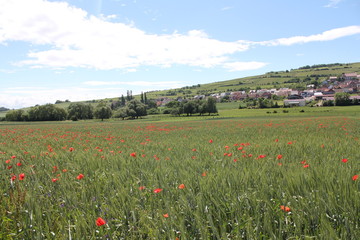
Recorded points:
(245, 174)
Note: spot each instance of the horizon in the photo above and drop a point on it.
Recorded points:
(102, 48)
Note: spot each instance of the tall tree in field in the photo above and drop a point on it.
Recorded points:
(211, 105)
(342, 99)
(78, 111)
(136, 108)
(123, 101)
(142, 97)
(102, 111)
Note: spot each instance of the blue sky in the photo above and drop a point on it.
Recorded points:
(91, 49)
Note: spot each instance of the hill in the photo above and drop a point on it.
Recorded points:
(293, 78)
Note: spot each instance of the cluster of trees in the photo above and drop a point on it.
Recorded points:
(342, 99)
(190, 107)
(258, 103)
(76, 111)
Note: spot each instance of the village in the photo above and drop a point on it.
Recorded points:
(346, 83)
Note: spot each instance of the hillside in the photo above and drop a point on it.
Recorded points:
(292, 78)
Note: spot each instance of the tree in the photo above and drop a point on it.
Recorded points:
(78, 111)
(102, 111)
(123, 101)
(15, 115)
(47, 112)
(137, 107)
(211, 105)
(189, 108)
(121, 113)
(342, 99)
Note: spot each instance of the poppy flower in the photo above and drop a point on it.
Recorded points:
(279, 156)
(355, 177)
(203, 174)
(210, 141)
(21, 176)
(181, 186)
(141, 187)
(133, 154)
(165, 215)
(100, 221)
(306, 166)
(71, 149)
(54, 179)
(344, 160)
(157, 190)
(80, 176)
(13, 178)
(285, 209)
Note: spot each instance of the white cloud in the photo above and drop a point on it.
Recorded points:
(325, 36)
(333, 3)
(83, 40)
(243, 66)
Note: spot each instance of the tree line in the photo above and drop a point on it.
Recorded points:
(124, 108)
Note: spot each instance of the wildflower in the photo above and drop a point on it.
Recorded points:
(141, 188)
(261, 156)
(355, 177)
(54, 179)
(80, 176)
(71, 149)
(165, 215)
(210, 141)
(181, 186)
(204, 174)
(100, 221)
(157, 190)
(306, 166)
(344, 160)
(13, 177)
(13, 157)
(285, 209)
(18, 164)
(133, 154)
(194, 149)
(21, 176)
(279, 156)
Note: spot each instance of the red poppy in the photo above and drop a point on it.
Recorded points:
(141, 187)
(100, 221)
(13, 178)
(355, 177)
(71, 149)
(165, 215)
(279, 156)
(181, 186)
(21, 176)
(18, 164)
(344, 160)
(306, 166)
(13, 157)
(54, 179)
(80, 176)
(203, 174)
(133, 154)
(285, 209)
(210, 141)
(157, 190)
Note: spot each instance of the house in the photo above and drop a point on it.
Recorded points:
(295, 100)
(333, 79)
(349, 76)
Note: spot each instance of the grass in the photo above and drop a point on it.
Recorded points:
(262, 176)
